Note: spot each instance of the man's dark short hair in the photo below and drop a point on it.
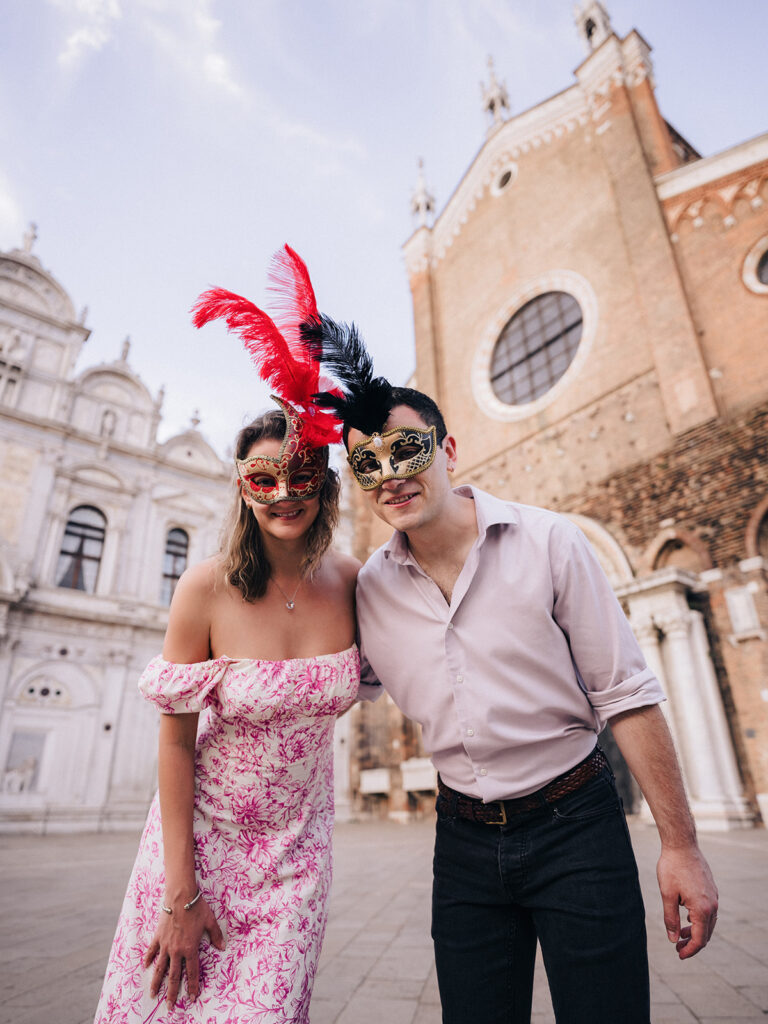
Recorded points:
(425, 406)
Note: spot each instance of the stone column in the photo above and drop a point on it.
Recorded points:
(676, 647)
(647, 635)
(705, 743)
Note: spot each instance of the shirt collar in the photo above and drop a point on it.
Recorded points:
(489, 511)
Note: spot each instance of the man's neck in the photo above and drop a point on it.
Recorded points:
(449, 536)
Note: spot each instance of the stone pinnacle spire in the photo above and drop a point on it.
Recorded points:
(422, 201)
(495, 99)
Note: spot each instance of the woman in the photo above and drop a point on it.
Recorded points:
(261, 641)
(226, 906)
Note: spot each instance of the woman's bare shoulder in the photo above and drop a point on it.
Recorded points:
(187, 638)
(202, 580)
(345, 566)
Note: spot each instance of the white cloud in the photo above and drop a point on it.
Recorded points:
(95, 22)
(187, 34)
(291, 130)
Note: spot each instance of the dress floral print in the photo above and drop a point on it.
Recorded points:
(262, 823)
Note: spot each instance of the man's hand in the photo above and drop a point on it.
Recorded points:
(685, 880)
(684, 876)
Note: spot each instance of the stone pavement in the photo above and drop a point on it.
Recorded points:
(60, 897)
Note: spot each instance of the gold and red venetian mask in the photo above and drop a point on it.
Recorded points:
(297, 472)
(394, 455)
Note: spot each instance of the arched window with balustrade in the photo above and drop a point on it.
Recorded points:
(174, 562)
(81, 549)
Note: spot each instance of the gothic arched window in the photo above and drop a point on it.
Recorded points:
(81, 549)
(174, 562)
(536, 347)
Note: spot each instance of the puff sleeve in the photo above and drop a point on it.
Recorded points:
(178, 689)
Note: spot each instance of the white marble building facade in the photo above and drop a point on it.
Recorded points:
(97, 520)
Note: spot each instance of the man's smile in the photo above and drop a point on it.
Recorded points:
(400, 499)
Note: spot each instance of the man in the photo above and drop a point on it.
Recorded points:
(492, 624)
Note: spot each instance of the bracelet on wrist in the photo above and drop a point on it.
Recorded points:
(187, 906)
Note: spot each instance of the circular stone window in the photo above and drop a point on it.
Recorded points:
(503, 179)
(536, 347)
(754, 273)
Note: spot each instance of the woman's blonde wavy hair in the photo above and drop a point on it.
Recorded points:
(245, 561)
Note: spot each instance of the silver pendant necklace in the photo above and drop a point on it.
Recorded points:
(290, 602)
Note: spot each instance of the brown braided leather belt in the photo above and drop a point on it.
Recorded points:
(498, 811)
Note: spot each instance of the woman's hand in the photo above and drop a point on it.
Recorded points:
(175, 946)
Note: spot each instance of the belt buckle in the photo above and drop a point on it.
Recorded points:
(503, 819)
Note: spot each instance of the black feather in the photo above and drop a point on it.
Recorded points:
(367, 400)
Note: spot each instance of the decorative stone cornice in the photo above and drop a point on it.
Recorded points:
(723, 192)
(702, 173)
(670, 578)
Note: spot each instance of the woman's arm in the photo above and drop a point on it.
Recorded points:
(176, 942)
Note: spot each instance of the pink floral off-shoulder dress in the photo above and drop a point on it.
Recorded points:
(262, 823)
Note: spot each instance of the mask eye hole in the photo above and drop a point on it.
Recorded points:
(261, 482)
(303, 478)
(407, 451)
(366, 462)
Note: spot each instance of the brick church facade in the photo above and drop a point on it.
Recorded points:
(591, 314)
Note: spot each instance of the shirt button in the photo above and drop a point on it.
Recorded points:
(470, 732)
(483, 771)
(459, 679)
(450, 625)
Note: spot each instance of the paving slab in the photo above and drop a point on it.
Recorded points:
(61, 895)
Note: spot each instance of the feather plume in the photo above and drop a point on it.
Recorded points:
(281, 360)
(295, 297)
(365, 401)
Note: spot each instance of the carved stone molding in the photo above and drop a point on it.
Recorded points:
(723, 193)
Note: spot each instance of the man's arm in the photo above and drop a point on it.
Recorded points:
(684, 876)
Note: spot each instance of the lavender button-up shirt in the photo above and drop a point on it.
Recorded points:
(512, 680)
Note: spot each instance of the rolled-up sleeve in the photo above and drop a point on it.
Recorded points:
(609, 664)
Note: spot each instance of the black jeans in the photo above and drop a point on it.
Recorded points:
(564, 873)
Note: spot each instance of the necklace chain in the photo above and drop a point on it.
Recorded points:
(290, 602)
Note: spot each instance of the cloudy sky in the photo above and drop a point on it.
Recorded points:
(162, 146)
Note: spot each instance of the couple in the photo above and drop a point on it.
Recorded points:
(488, 622)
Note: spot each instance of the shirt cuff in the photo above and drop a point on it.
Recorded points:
(638, 691)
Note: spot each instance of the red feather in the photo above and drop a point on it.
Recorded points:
(289, 281)
(281, 360)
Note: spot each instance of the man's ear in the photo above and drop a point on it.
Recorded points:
(449, 447)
